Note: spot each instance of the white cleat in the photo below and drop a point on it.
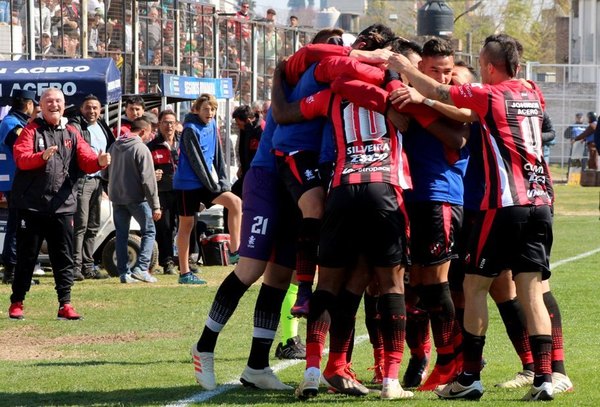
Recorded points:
(204, 368)
(263, 379)
(522, 379)
(544, 392)
(455, 390)
(392, 390)
(309, 386)
(561, 383)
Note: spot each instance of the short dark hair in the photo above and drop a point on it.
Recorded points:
(164, 113)
(438, 47)
(502, 51)
(323, 35)
(90, 97)
(592, 117)
(405, 47)
(243, 112)
(135, 100)
(375, 36)
(140, 123)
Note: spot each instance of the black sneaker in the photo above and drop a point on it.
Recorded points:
(293, 349)
(92, 274)
(415, 371)
(169, 268)
(77, 276)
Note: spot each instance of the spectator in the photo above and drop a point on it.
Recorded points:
(4, 12)
(41, 19)
(133, 191)
(293, 21)
(151, 32)
(128, 31)
(134, 108)
(164, 149)
(271, 16)
(576, 128)
(250, 132)
(51, 156)
(89, 190)
(548, 136)
(588, 136)
(46, 48)
(200, 153)
(22, 108)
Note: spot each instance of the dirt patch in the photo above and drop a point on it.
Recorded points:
(23, 344)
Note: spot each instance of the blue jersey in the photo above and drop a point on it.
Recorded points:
(11, 121)
(264, 157)
(474, 180)
(206, 133)
(437, 172)
(305, 136)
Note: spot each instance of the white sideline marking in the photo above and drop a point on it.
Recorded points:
(574, 258)
(235, 383)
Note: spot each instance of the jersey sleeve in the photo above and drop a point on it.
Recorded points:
(334, 67)
(423, 114)
(472, 96)
(361, 93)
(316, 105)
(308, 55)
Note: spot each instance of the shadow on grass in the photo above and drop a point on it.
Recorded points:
(131, 397)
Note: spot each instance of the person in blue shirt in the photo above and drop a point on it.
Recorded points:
(200, 153)
(23, 106)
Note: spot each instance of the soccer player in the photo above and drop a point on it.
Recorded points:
(515, 226)
(435, 210)
(297, 146)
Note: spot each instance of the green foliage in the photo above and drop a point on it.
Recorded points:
(132, 348)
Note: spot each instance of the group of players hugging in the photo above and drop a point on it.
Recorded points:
(407, 183)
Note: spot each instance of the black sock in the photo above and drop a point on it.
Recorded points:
(226, 301)
(473, 353)
(558, 353)
(267, 313)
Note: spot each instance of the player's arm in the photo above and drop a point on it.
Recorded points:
(408, 94)
(451, 133)
(428, 87)
(308, 108)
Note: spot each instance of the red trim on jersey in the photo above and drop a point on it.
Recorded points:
(291, 162)
(484, 233)
(447, 218)
(331, 68)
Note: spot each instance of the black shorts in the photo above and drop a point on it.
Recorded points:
(299, 172)
(518, 238)
(188, 200)
(367, 219)
(433, 227)
(458, 266)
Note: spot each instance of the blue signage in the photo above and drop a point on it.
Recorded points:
(77, 78)
(189, 87)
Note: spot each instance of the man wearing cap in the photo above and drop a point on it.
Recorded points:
(50, 155)
(271, 13)
(89, 190)
(22, 107)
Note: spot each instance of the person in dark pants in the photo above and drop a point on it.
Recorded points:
(51, 156)
(165, 157)
(23, 106)
(89, 190)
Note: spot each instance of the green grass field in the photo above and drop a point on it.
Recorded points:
(132, 348)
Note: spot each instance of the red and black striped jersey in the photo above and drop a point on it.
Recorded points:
(510, 114)
(368, 146)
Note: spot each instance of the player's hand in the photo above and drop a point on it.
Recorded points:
(103, 159)
(404, 95)
(378, 56)
(156, 214)
(399, 63)
(49, 152)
